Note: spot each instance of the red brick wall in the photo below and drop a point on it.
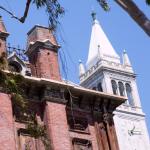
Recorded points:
(7, 138)
(89, 134)
(56, 122)
(44, 64)
(2, 45)
(41, 34)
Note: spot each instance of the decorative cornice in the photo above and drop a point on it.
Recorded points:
(107, 65)
(4, 34)
(38, 44)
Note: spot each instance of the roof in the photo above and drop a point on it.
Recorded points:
(79, 91)
(87, 96)
(100, 46)
(3, 31)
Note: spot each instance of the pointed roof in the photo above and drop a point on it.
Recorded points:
(3, 31)
(126, 60)
(81, 68)
(100, 47)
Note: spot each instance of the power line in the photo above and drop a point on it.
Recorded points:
(65, 70)
(61, 35)
(8, 5)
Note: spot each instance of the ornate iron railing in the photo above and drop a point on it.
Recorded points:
(19, 52)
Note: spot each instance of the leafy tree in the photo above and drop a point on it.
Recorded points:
(133, 10)
(55, 10)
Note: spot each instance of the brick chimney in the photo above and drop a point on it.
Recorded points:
(3, 36)
(42, 50)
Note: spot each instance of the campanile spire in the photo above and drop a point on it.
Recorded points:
(99, 39)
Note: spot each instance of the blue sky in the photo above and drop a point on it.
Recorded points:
(74, 36)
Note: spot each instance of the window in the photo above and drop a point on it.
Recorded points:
(129, 94)
(15, 67)
(99, 87)
(77, 123)
(81, 144)
(114, 87)
(25, 141)
(121, 88)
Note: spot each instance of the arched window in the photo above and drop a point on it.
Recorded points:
(129, 93)
(121, 88)
(14, 66)
(99, 87)
(114, 87)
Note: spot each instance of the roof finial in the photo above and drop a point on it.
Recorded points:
(126, 60)
(81, 68)
(124, 51)
(93, 15)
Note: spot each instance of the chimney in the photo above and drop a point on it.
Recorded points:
(42, 50)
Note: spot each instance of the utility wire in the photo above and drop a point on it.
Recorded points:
(61, 35)
(9, 6)
(65, 70)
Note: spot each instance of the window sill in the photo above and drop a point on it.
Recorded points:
(79, 131)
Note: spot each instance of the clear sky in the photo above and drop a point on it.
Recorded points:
(74, 36)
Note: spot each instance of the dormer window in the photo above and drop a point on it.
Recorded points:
(114, 86)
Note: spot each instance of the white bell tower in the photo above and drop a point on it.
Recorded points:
(106, 73)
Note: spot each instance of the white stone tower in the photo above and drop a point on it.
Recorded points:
(106, 73)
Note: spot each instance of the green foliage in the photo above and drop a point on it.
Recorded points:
(54, 10)
(3, 77)
(11, 85)
(14, 84)
(3, 61)
(148, 2)
(39, 3)
(38, 131)
(104, 4)
(19, 101)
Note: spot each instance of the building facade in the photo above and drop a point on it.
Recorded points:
(38, 110)
(106, 73)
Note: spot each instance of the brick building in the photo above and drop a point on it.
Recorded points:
(75, 118)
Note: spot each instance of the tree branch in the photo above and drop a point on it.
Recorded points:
(23, 18)
(136, 14)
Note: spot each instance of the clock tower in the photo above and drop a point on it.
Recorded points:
(106, 73)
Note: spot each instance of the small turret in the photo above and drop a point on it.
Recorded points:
(81, 68)
(126, 61)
